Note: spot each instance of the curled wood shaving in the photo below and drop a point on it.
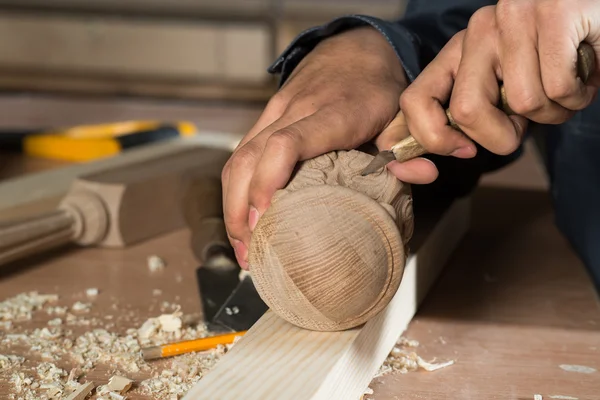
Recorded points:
(403, 360)
(119, 384)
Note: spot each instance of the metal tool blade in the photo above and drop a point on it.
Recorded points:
(243, 308)
(382, 159)
(229, 302)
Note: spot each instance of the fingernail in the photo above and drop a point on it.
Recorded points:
(464, 152)
(253, 218)
(241, 253)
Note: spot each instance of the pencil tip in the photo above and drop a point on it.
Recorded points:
(152, 353)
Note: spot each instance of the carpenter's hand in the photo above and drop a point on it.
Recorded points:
(343, 94)
(530, 45)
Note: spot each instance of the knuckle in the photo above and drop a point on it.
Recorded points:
(407, 99)
(435, 143)
(285, 140)
(457, 38)
(464, 111)
(226, 170)
(482, 19)
(278, 103)
(561, 89)
(245, 157)
(527, 103)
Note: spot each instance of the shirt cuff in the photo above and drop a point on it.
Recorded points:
(405, 44)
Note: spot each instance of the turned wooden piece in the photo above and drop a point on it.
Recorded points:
(329, 252)
(116, 207)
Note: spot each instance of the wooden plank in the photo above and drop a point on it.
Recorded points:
(277, 360)
(41, 191)
(36, 82)
(156, 49)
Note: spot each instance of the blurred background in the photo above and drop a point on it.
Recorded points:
(71, 62)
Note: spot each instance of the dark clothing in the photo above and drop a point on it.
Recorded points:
(572, 150)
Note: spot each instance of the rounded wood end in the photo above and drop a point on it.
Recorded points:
(326, 257)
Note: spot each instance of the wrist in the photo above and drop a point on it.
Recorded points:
(361, 48)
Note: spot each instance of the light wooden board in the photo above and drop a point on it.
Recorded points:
(277, 360)
(198, 50)
(41, 191)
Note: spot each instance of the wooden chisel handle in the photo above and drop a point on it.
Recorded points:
(409, 148)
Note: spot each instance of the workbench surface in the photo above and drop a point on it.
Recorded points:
(512, 306)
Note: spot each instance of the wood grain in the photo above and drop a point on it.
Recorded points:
(329, 252)
(278, 360)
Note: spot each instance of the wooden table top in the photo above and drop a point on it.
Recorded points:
(512, 306)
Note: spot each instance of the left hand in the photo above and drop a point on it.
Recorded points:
(529, 45)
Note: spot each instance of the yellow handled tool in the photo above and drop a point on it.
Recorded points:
(90, 142)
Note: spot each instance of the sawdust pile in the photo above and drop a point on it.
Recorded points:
(404, 359)
(40, 370)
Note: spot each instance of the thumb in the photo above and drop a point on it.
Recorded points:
(418, 170)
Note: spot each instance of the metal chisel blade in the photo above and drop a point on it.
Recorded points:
(382, 159)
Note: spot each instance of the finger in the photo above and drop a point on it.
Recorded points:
(301, 140)
(416, 171)
(520, 63)
(242, 166)
(558, 41)
(476, 91)
(421, 104)
(239, 174)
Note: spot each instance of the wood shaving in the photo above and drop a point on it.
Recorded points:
(57, 343)
(182, 373)
(537, 397)
(119, 384)
(48, 383)
(403, 360)
(91, 292)
(20, 307)
(577, 368)
(79, 306)
(82, 391)
(10, 361)
(155, 263)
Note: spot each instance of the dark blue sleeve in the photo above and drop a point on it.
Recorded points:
(417, 38)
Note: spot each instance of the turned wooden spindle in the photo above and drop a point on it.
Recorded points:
(329, 252)
(116, 207)
(203, 213)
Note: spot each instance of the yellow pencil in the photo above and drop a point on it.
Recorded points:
(188, 346)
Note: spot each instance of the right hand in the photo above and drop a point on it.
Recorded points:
(344, 93)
